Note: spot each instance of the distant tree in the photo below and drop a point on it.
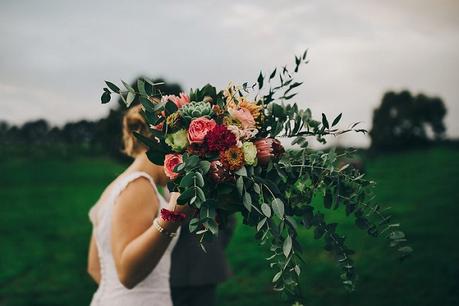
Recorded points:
(34, 132)
(55, 135)
(81, 132)
(4, 127)
(403, 120)
(100, 136)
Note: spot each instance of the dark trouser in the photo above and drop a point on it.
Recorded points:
(194, 296)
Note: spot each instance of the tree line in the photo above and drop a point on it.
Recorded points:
(102, 136)
(403, 120)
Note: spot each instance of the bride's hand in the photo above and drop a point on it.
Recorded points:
(186, 209)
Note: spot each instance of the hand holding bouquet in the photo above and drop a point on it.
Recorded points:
(222, 152)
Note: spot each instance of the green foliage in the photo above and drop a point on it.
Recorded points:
(277, 197)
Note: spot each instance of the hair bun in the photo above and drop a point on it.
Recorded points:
(133, 121)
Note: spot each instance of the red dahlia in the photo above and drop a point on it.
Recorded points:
(220, 138)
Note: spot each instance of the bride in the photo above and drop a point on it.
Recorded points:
(134, 230)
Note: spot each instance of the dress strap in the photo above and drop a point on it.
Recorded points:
(120, 186)
(130, 178)
(105, 212)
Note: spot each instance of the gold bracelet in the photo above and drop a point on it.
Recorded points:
(162, 230)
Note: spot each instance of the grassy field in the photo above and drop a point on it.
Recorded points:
(44, 231)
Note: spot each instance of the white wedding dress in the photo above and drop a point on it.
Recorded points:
(154, 290)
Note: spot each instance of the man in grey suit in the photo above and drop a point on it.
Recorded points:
(194, 273)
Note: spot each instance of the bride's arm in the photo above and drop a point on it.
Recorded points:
(93, 261)
(136, 245)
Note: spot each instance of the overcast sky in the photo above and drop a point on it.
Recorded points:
(55, 55)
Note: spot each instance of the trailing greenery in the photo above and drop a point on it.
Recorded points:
(275, 197)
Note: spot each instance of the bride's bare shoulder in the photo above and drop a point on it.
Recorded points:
(137, 198)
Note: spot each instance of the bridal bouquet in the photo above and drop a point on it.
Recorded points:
(222, 151)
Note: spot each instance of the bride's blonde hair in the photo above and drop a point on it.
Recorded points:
(133, 121)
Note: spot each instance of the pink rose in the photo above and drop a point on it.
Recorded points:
(199, 128)
(244, 116)
(179, 101)
(170, 162)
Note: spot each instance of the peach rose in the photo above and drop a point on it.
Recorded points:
(199, 128)
(170, 162)
(244, 116)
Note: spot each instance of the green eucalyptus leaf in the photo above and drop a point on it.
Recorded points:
(287, 246)
(261, 224)
(278, 208)
(148, 88)
(212, 226)
(207, 213)
(141, 87)
(242, 171)
(187, 180)
(200, 194)
(128, 87)
(199, 179)
(185, 196)
(405, 249)
(147, 104)
(105, 98)
(266, 210)
(297, 270)
(180, 167)
(337, 119)
(256, 188)
(260, 80)
(397, 235)
(192, 162)
(170, 108)
(193, 225)
(290, 96)
(130, 98)
(112, 86)
(325, 121)
(293, 86)
(204, 165)
(146, 141)
(278, 111)
(240, 185)
(277, 276)
(156, 157)
(247, 201)
(273, 74)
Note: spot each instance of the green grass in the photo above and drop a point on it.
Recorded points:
(44, 231)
